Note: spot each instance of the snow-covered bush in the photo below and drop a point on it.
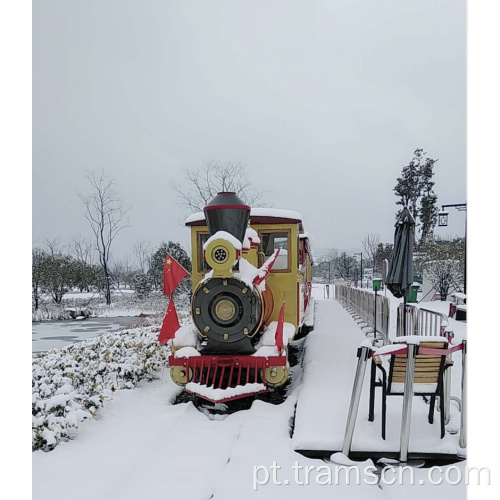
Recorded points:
(70, 384)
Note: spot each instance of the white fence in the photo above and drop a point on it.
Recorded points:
(362, 303)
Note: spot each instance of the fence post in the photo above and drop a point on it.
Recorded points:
(463, 413)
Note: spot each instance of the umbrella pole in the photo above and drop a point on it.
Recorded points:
(404, 316)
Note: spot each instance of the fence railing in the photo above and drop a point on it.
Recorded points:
(362, 303)
(420, 321)
(424, 322)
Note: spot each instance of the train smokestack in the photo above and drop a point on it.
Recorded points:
(226, 212)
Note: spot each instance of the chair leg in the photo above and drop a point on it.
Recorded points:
(371, 411)
(384, 403)
(432, 404)
(441, 407)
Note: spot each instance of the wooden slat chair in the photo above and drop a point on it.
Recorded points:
(428, 379)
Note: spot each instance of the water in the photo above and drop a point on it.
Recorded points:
(55, 334)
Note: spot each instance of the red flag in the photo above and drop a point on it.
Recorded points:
(170, 324)
(266, 268)
(173, 274)
(278, 336)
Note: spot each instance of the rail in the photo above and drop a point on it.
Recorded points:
(362, 303)
(424, 322)
(420, 321)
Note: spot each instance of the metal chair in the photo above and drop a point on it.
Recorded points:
(428, 379)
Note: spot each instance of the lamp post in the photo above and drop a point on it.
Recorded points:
(443, 222)
(361, 275)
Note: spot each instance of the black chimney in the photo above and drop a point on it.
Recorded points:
(226, 212)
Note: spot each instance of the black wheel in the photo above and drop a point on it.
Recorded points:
(295, 352)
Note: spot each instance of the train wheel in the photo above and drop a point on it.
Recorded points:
(295, 351)
(178, 375)
(277, 375)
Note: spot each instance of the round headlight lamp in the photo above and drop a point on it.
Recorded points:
(220, 256)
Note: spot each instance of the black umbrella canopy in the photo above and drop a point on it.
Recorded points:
(400, 275)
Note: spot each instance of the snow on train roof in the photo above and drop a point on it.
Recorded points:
(275, 213)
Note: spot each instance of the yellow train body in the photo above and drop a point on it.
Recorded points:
(289, 279)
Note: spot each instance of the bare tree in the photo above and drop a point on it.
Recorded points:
(122, 272)
(82, 250)
(345, 265)
(143, 252)
(39, 258)
(106, 216)
(370, 246)
(202, 185)
(331, 263)
(336, 264)
(53, 246)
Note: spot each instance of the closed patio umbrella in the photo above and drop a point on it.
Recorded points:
(400, 274)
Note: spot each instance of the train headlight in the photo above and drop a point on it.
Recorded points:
(220, 256)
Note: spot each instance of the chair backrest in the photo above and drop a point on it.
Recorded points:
(428, 367)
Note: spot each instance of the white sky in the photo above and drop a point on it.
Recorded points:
(324, 102)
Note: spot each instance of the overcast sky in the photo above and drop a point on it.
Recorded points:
(324, 102)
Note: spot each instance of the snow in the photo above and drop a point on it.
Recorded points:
(386, 349)
(399, 387)
(270, 262)
(341, 459)
(186, 335)
(216, 394)
(143, 447)
(266, 351)
(251, 236)
(409, 339)
(256, 212)
(275, 212)
(418, 339)
(208, 276)
(186, 352)
(223, 235)
(70, 384)
(324, 399)
(268, 337)
(309, 315)
(247, 273)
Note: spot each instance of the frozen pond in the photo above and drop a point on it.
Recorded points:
(54, 334)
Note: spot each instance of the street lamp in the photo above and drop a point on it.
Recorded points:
(361, 277)
(443, 222)
(442, 218)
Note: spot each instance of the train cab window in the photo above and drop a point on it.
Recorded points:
(203, 267)
(302, 252)
(270, 242)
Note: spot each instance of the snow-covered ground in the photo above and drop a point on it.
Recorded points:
(320, 422)
(142, 447)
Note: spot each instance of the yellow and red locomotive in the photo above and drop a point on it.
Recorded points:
(249, 267)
